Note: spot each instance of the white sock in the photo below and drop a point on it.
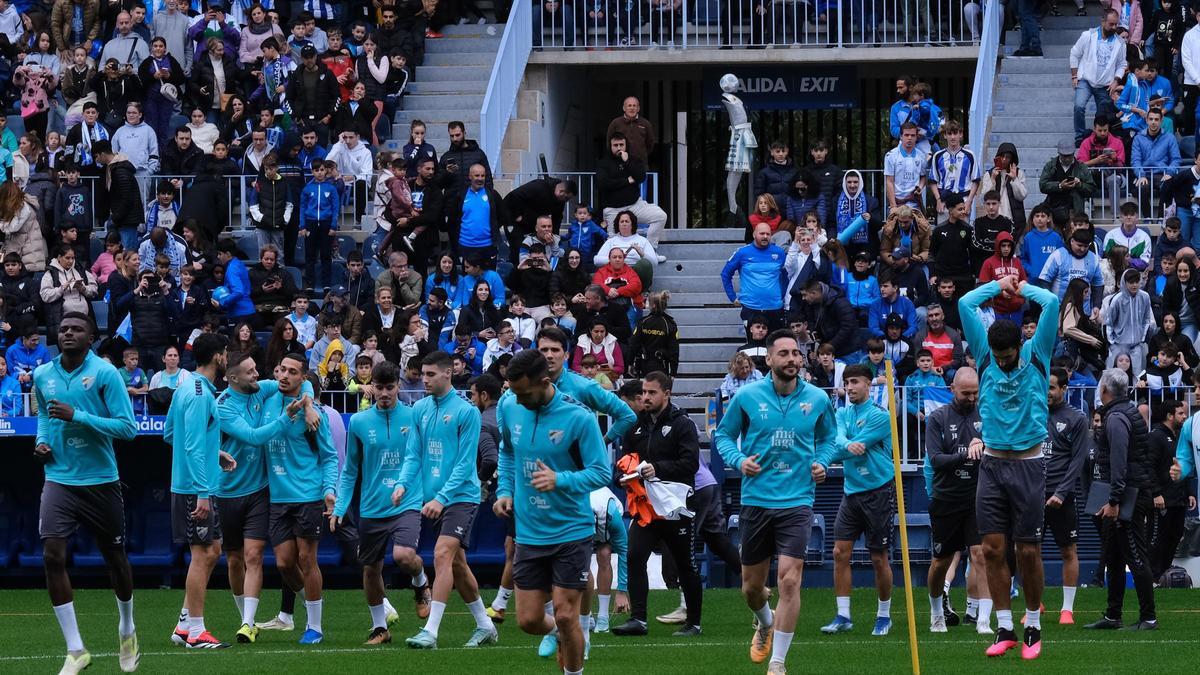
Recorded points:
(946, 588)
(478, 611)
(286, 618)
(502, 596)
(604, 600)
(935, 607)
(885, 608)
(585, 625)
(766, 618)
(972, 605)
(436, 610)
(240, 601)
(572, 672)
(985, 611)
(1069, 598)
(313, 609)
(419, 579)
(182, 624)
(682, 600)
(249, 609)
(550, 608)
(195, 627)
(1004, 619)
(843, 606)
(780, 646)
(1033, 618)
(387, 606)
(70, 628)
(125, 610)
(378, 616)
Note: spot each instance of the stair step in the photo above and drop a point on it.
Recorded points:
(435, 102)
(489, 30)
(460, 44)
(724, 331)
(707, 316)
(1050, 123)
(708, 368)
(460, 59)
(711, 251)
(439, 118)
(1048, 104)
(1048, 37)
(1025, 140)
(446, 87)
(696, 385)
(1060, 79)
(1073, 23)
(707, 283)
(705, 234)
(688, 299)
(1043, 66)
(706, 352)
(449, 73)
(693, 405)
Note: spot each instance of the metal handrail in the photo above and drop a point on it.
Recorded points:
(979, 114)
(504, 83)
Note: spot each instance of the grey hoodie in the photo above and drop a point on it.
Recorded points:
(1129, 318)
(139, 143)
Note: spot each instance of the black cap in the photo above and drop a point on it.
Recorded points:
(895, 320)
(308, 51)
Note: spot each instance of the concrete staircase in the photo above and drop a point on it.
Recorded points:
(1034, 101)
(450, 85)
(709, 326)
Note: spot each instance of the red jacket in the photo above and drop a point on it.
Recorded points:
(997, 267)
(632, 288)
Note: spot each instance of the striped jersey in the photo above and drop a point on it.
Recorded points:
(954, 171)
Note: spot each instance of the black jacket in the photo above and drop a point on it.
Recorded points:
(432, 201)
(358, 121)
(361, 291)
(612, 180)
(462, 156)
(273, 199)
(1162, 454)
(114, 95)
(1123, 453)
(260, 275)
(203, 80)
(670, 443)
(207, 201)
(22, 298)
(655, 345)
(124, 197)
(614, 317)
(152, 317)
(176, 162)
(833, 320)
(308, 110)
(533, 199)
(532, 284)
(950, 250)
(775, 180)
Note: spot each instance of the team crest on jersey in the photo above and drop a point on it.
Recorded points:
(1060, 426)
(404, 430)
(445, 418)
(978, 425)
(806, 408)
(666, 430)
(87, 382)
(556, 436)
(859, 423)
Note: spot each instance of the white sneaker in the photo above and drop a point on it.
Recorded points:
(937, 624)
(984, 628)
(276, 623)
(662, 259)
(130, 655)
(75, 663)
(676, 616)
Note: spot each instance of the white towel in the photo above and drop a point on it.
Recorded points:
(669, 499)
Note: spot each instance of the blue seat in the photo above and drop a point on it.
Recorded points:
(150, 543)
(100, 309)
(30, 554)
(96, 247)
(920, 538)
(860, 555)
(297, 276)
(249, 245)
(329, 551)
(487, 538)
(87, 554)
(346, 244)
(735, 532)
(263, 337)
(10, 540)
(814, 554)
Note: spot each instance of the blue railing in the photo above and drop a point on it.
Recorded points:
(505, 81)
(980, 112)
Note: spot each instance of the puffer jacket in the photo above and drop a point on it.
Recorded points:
(655, 345)
(124, 202)
(776, 180)
(273, 208)
(23, 236)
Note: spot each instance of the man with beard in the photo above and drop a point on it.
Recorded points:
(784, 424)
(1066, 449)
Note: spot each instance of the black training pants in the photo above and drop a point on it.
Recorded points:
(676, 536)
(1166, 529)
(1125, 544)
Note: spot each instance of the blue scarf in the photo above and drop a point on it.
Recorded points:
(86, 138)
(152, 216)
(849, 208)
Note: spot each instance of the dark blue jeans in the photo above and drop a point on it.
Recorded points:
(1031, 33)
(318, 243)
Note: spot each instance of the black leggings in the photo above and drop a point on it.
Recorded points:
(677, 537)
(1125, 545)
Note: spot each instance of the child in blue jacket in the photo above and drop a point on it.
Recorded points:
(320, 203)
(585, 236)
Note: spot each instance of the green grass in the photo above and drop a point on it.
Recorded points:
(32, 642)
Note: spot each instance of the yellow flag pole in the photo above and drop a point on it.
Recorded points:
(908, 582)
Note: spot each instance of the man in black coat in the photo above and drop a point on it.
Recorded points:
(619, 178)
(389, 37)
(462, 154)
(829, 315)
(313, 93)
(428, 198)
(667, 443)
(180, 157)
(124, 196)
(596, 305)
(538, 197)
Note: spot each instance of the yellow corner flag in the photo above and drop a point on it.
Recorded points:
(908, 582)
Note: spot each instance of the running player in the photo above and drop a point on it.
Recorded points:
(82, 406)
(554, 344)
(556, 446)
(953, 448)
(302, 479)
(785, 423)
(242, 498)
(196, 464)
(1010, 498)
(1066, 449)
(375, 451)
(864, 446)
(611, 537)
(439, 463)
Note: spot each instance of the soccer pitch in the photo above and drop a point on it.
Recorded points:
(33, 644)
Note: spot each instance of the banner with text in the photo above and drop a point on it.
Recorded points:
(785, 87)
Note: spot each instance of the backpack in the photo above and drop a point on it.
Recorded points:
(1175, 577)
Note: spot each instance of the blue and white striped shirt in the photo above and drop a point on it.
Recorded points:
(954, 171)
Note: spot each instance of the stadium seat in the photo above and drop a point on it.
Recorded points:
(150, 543)
(920, 538)
(249, 246)
(9, 529)
(329, 551)
(346, 244)
(860, 555)
(297, 276)
(30, 554)
(263, 337)
(735, 533)
(87, 554)
(814, 554)
(96, 246)
(487, 538)
(100, 310)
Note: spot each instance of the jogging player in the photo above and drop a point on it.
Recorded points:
(196, 463)
(375, 446)
(82, 406)
(783, 423)
(953, 448)
(242, 497)
(552, 457)
(302, 481)
(1010, 497)
(439, 462)
(864, 446)
(1066, 448)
